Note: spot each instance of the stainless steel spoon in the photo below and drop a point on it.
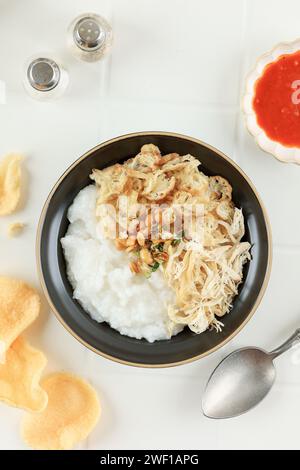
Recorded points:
(242, 380)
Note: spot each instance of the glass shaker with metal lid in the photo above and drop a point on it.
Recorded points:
(90, 37)
(45, 78)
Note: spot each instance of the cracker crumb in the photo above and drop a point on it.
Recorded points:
(10, 183)
(15, 229)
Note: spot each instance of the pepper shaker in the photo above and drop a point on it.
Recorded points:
(45, 78)
(90, 37)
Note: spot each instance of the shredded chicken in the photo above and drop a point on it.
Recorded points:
(203, 266)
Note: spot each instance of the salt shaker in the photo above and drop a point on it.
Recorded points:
(90, 37)
(45, 78)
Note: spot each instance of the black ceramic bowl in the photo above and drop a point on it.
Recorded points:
(102, 339)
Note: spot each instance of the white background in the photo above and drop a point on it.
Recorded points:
(176, 65)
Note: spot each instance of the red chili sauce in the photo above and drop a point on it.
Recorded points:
(277, 100)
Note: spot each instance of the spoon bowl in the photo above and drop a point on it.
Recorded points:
(247, 375)
(242, 380)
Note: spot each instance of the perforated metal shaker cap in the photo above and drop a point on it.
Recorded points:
(43, 74)
(89, 34)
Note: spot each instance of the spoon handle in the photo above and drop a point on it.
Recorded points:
(288, 344)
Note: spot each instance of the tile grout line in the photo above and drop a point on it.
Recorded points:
(104, 86)
(237, 138)
(238, 124)
(209, 106)
(106, 66)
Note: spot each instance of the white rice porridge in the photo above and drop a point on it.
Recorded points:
(103, 283)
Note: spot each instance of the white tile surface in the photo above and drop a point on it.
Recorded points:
(272, 425)
(176, 52)
(177, 66)
(205, 123)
